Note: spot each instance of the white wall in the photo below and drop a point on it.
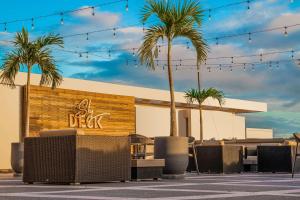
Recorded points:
(10, 122)
(155, 121)
(218, 125)
(259, 133)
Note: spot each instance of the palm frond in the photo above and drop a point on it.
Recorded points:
(159, 8)
(22, 39)
(10, 68)
(196, 38)
(50, 73)
(148, 50)
(48, 41)
(200, 96)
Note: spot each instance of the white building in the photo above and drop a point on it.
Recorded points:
(152, 113)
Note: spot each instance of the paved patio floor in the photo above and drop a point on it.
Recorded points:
(235, 187)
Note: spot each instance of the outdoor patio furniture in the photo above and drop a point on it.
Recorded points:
(193, 163)
(275, 158)
(140, 146)
(76, 159)
(297, 138)
(146, 168)
(250, 159)
(219, 158)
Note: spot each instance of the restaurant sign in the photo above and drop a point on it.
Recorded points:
(84, 117)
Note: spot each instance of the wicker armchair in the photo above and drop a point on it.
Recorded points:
(76, 159)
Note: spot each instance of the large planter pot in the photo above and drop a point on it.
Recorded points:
(17, 155)
(175, 152)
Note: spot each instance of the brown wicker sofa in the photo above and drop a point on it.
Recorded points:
(74, 158)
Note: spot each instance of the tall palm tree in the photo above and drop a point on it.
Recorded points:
(27, 53)
(200, 96)
(176, 19)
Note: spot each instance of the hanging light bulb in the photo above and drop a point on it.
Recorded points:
(270, 65)
(87, 55)
(292, 56)
(220, 67)
(244, 66)
(61, 18)
(80, 54)
(87, 36)
(249, 38)
(261, 59)
(285, 31)
(32, 23)
(127, 6)
(209, 14)
(253, 69)
(232, 60)
(133, 51)
(217, 41)
(93, 10)
(5, 27)
(180, 62)
(187, 45)
(205, 61)
(176, 67)
(277, 64)
(163, 67)
(109, 53)
(136, 64)
(248, 4)
(114, 32)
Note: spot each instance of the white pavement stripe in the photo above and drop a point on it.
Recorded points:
(184, 190)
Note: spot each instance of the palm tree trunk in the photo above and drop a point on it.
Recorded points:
(27, 104)
(173, 124)
(201, 123)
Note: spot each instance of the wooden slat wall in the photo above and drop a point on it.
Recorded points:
(50, 109)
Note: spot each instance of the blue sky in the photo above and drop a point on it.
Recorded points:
(278, 86)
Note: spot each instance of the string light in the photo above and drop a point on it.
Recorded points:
(249, 37)
(127, 6)
(32, 23)
(187, 45)
(232, 60)
(220, 67)
(114, 32)
(80, 54)
(244, 66)
(285, 31)
(133, 51)
(253, 69)
(209, 14)
(261, 59)
(87, 36)
(109, 54)
(61, 18)
(93, 11)
(248, 4)
(292, 56)
(87, 55)
(5, 27)
(136, 64)
(217, 41)
(231, 68)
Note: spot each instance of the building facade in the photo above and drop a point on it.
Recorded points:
(106, 108)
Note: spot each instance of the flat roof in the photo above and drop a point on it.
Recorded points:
(150, 96)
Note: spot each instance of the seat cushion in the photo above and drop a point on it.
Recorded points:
(61, 132)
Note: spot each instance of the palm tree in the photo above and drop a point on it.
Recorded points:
(200, 96)
(176, 19)
(27, 53)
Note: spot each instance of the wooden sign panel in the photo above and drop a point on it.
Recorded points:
(95, 113)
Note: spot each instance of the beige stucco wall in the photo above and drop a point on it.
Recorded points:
(218, 125)
(10, 122)
(259, 133)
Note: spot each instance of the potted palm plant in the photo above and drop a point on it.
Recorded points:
(200, 96)
(175, 19)
(27, 53)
